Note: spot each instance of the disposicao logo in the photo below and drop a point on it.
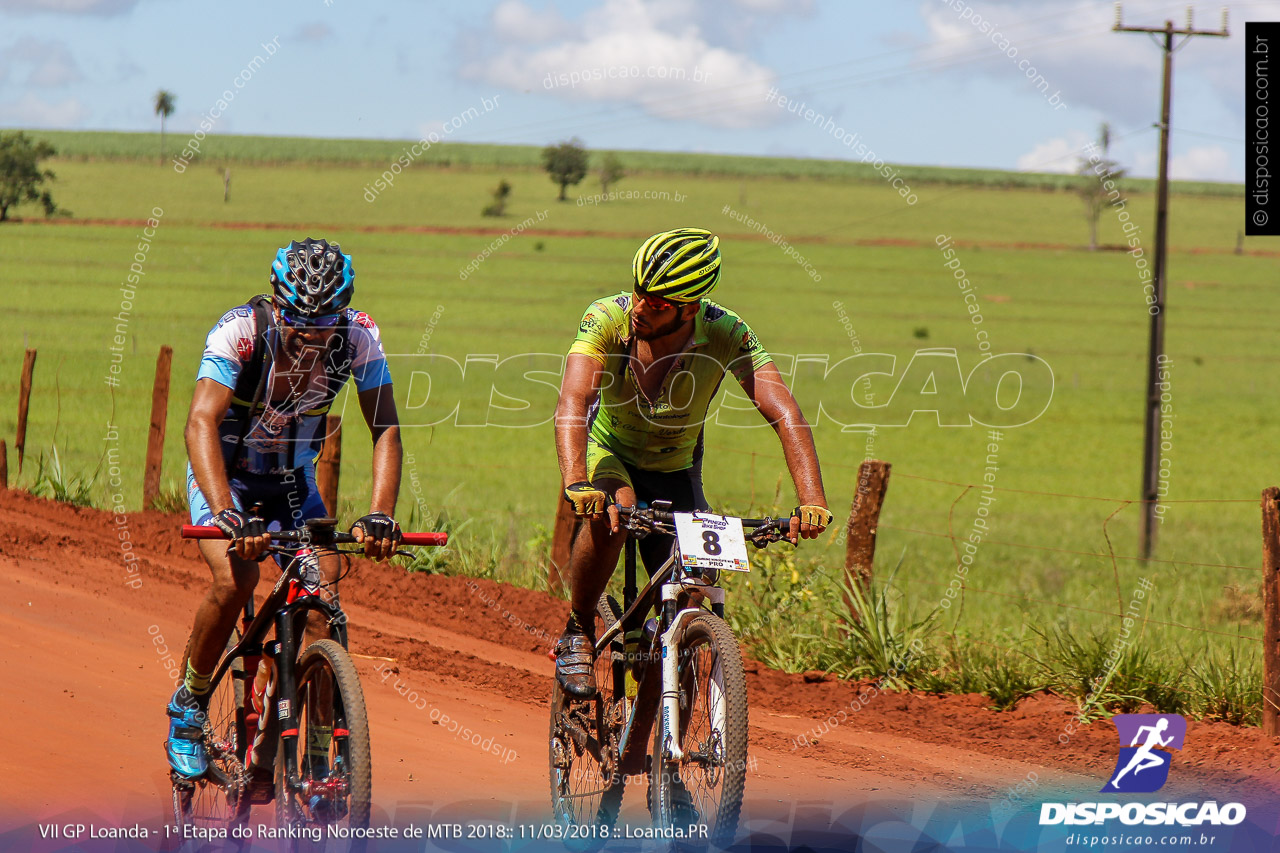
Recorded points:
(1141, 768)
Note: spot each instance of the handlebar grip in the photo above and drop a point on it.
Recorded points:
(200, 531)
(424, 538)
(196, 531)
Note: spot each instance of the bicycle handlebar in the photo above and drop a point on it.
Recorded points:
(195, 531)
(758, 524)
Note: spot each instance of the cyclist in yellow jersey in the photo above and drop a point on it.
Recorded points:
(640, 376)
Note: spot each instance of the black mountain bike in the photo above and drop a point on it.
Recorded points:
(665, 656)
(300, 710)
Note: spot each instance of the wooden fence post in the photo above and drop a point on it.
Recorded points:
(155, 437)
(329, 465)
(864, 517)
(24, 400)
(561, 538)
(1271, 611)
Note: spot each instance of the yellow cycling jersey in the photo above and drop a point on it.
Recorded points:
(662, 434)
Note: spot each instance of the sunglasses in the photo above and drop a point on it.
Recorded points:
(325, 321)
(656, 303)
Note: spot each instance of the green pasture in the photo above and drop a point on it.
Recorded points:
(224, 150)
(1082, 313)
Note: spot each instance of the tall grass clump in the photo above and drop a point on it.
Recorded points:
(53, 482)
(878, 639)
(969, 666)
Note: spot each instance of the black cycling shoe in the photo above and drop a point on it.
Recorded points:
(576, 665)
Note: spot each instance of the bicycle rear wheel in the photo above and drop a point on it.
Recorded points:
(217, 799)
(586, 788)
(331, 754)
(704, 789)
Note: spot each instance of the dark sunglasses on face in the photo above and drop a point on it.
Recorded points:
(325, 321)
(656, 303)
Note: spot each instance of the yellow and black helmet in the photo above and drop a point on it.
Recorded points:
(681, 265)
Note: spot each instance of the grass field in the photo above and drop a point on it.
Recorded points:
(1083, 313)
(220, 151)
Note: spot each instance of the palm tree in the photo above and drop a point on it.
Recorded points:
(164, 108)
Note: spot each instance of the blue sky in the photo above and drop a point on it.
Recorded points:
(919, 82)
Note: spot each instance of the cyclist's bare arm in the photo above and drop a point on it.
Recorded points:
(204, 448)
(208, 406)
(378, 405)
(578, 390)
(770, 395)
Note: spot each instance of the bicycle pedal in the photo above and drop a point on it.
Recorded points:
(182, 783)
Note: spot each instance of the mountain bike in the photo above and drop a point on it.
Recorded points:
(298, 712)
(665, 656)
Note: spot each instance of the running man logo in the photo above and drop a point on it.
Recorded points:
(1143, 766)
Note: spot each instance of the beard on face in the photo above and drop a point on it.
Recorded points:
(301, 352)
(654, 332)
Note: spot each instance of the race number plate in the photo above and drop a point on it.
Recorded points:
(712, 541)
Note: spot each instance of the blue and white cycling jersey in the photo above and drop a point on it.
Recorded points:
(286, 434)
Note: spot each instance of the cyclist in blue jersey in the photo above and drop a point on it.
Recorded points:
(270, 371)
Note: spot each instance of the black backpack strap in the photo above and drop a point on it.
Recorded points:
(251, 385)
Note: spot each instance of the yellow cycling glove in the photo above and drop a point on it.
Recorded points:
(585, 498)
(817, 516)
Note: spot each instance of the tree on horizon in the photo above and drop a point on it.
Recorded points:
(566, 163)
(164, 102)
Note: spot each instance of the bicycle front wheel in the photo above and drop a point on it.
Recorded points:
(586, 787)
(701, 793)
(334, 776)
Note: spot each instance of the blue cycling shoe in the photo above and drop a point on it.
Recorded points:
(185, 746)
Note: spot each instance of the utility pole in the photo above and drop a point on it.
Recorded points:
(1151, 447)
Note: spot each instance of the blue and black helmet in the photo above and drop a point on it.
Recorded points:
(313, 278)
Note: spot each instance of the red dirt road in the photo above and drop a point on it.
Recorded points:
(85, 682)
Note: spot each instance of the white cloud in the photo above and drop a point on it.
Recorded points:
(1071, 44)
(628, 51)
(1061, 154)
(793, 6)
(30, 111)
(1203, 163)
(70, 7)
(1068, 43)
(515, 21)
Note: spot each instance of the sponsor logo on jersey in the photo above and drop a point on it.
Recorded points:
(241, 311)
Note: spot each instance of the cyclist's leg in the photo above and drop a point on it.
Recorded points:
(593, 554)
(234, 580)
(232, 584)
(594, 551)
